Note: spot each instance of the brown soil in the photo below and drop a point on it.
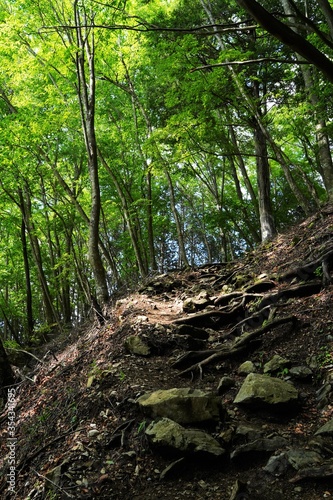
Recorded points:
(88, 382)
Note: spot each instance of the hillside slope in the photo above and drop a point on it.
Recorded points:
(81, 428)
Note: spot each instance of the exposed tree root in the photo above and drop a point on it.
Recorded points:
(213, 319)
(238, 345)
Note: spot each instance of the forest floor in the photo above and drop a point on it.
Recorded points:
(79, 432)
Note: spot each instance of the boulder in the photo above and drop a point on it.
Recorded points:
(246, 368)
(266, 391)
(277, 465)
(197, 303)
(326, 428)
(135, 345)
(301, 458)
(301, 372)
(182, 405)
(275, 364)
(259, 447)
(169, 436)
(225, 384)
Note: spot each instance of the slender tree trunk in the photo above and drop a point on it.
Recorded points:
(151, 246)
(50, 313)
(127, 216)
(30, 319)
(267, 225)
(85, 58)
(253, 108)
(180, 235)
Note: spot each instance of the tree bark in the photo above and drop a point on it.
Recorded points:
(267, 225)
(85, 66)
(30, 319)
(289, 37)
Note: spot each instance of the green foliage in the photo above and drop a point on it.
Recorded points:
(174, 125)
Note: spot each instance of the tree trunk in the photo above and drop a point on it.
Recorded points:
(289, 37)
(180, 235)
(267, 225)
(87, 95)
(50, 313)
(30, 319)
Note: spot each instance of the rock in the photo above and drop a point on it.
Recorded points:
(189, 306)
(323, 395)
(299, 459)
(269, 392)
(246, 368)
(275, 364)
(135, 345)
(225, 384)
(183, 405)
(301, 372)
(192, 331)
(259, 446)
(168, 435)
(277, 465)
(247, 433)
(322, 471)
(197, 303)
(326, 428)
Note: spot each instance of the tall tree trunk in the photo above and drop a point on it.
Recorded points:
(85, 66)
(50, 313)
(127, 216)
(267, 225)
(30, 319)
(180, 235)
(151, 246)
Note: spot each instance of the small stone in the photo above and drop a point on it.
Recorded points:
(225, 384)
(275, 364)
(93, 433)
(246, 368)
(301, 372)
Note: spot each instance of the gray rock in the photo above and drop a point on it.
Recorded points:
(225, 384)
(199, 302)
(168, 435)
(262, 445)
(247, 433)
(326, 428)
(301, 372)
(277, 465)
(267, 391)
(275, 364)
(246, 368)
(136, 345)
(299, 459)
(183, 405)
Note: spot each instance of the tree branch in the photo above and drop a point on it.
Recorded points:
(250, 61)
(289, 37)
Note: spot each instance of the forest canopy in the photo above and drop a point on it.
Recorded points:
(141, 136)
